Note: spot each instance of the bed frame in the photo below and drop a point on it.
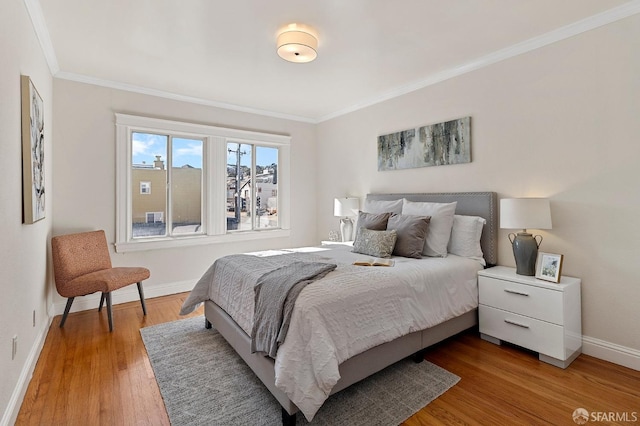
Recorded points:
(482, 204)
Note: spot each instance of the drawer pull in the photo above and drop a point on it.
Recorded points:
(519, 293)
(516, 323)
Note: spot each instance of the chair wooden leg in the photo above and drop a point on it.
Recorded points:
(66, 311)
(101, 302)
(141, 293)
(109, 311)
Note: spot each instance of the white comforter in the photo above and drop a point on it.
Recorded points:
(352, 309)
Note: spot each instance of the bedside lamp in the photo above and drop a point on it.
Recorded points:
(346, 207)
(523, 213)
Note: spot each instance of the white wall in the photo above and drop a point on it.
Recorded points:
(84, 178)
(23, 248)
(559, 122)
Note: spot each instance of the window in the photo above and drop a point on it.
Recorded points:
(154, 217)
(252, 187)
(145, 188)
(174, 163)
(210, 184)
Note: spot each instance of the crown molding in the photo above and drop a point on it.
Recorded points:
(177, 97)
(612, 15)
(42, 33)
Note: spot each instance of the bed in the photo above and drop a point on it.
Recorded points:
(323, 355)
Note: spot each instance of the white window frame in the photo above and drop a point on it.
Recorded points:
(214, 182)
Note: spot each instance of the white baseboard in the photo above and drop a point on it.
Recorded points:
(621, 355)
(123, 295)
(15, 402)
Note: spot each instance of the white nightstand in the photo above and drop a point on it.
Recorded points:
(542, 316)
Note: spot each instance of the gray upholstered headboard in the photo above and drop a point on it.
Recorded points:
(483, 204)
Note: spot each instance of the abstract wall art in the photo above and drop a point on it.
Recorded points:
(433, 145)
(33, 199)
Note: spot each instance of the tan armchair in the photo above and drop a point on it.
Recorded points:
(82, 265)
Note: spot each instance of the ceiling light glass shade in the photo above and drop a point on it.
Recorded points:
(297, 46)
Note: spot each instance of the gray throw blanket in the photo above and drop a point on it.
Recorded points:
(276, 293)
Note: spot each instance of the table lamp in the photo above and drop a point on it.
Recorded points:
(346, 208)
(525, 213)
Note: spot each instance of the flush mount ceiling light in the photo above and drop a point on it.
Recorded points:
(297, 44)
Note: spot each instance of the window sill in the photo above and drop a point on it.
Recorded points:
(197, 240)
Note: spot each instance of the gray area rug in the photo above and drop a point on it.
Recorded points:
(204, 382)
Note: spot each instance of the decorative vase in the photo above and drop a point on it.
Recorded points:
(346, 229)
(525, 250)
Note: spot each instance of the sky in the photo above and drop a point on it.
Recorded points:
(146, 146)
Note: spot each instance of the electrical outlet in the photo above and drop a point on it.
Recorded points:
(14, 347)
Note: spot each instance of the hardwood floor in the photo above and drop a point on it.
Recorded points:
(503, 385)
(86, 375)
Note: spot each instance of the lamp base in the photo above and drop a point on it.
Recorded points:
(525, 251)
(346, 229)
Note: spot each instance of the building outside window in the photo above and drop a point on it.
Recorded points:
(174, 163)
(248, 183)
(210, 184)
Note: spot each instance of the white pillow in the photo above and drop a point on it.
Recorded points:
(440, 226)
(465, 236)
(381, 206)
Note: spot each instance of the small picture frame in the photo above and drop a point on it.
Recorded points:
(549, 267)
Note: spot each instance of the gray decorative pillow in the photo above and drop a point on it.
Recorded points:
(375, 221)
(412, 232)
(375, 243)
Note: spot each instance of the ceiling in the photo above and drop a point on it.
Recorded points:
(223, 53)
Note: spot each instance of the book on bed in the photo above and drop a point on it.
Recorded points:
(374, 261)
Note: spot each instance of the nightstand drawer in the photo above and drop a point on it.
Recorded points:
(539, 336)
(527, 300)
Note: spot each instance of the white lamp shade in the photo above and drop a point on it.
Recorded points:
(297, 46)
(525, 213)
(345, 207)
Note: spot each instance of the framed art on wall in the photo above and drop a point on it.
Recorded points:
(549, 267)
(33, 197)
(437, 144)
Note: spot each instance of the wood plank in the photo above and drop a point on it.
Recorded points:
(84, 372)
(509, 385)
